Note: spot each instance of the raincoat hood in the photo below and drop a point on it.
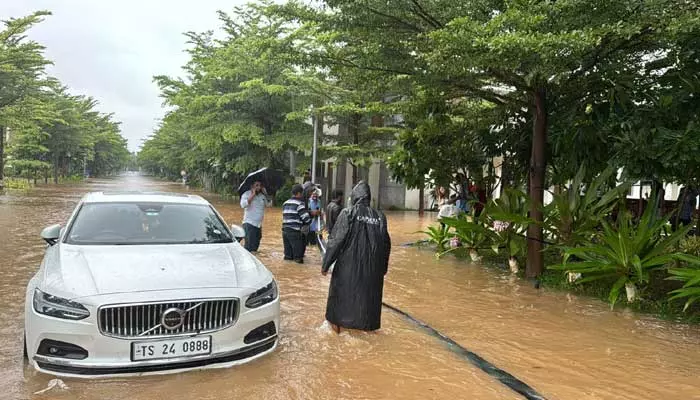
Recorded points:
(361, 194)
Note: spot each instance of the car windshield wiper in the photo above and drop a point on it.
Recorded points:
(210, 241)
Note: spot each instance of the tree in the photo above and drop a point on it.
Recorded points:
(56, 129)
(22, 65)
(239, 92)
(541, 56)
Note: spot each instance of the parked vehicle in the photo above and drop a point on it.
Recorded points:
(140, 283)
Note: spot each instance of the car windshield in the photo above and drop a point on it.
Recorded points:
(146, 223)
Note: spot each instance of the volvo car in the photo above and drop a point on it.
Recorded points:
(145, 283)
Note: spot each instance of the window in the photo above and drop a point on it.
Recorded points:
(146, 223)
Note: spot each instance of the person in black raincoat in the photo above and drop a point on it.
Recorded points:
(359, 245)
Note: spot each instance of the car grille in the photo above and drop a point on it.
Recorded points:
(144, 320)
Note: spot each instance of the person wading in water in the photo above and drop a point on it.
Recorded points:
(333, 209)
(359, 245)
(295, 223)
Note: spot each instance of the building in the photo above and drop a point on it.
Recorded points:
(333, 173)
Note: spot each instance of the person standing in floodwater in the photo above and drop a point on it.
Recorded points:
(333, 209)
(314, 206)
(253, 202)
(359, 246)
(295, 221)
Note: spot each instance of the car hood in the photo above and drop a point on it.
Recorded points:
(80, 271)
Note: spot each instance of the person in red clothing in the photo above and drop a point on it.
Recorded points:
(480, 194)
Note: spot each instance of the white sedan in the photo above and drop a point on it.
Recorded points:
(140, 283)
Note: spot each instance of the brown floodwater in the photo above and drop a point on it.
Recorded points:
(564, 346)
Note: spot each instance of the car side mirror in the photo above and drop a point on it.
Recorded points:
(51, 234)
(238, 232)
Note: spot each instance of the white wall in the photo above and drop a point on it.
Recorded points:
(413, 199)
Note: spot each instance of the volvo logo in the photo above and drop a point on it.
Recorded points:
(172, 318)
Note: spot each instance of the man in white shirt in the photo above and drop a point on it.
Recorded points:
(449, 210)
(253, 202)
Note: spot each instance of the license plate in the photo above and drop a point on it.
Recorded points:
(171, 348)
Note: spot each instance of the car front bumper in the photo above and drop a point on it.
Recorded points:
(110, 356)
(72, 368)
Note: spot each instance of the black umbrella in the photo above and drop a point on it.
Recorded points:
(272, 179)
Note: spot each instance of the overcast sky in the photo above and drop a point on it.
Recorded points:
(111, 49)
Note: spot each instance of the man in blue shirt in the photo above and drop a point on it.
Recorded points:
(253, 202)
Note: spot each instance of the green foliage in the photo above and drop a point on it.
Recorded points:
(16, 184)
(231, 113)
(48, 125)
(473, 233)
(691, 279)
(626, 252)
(440, 237)
(600, 73)
(690, 245)
(512, 209)
(575, 214)
(72, 179)
(284, 193)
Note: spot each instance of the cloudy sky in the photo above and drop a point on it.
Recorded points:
(111, 49)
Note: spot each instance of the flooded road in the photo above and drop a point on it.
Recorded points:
(563, 346)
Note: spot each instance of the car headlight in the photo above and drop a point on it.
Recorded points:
(262, 296)
(58, 307)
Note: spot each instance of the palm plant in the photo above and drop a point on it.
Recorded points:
(440, 236)
(625, 251)
(572, 218)
(508, 217)
(472, 233)
(691, 277)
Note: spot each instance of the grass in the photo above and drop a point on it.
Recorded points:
(71, 179)
(17, 184)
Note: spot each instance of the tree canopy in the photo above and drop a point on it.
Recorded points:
(548, 87)
(49, 127)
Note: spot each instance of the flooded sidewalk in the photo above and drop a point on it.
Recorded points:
(566, 347)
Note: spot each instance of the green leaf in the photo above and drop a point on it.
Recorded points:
(615, 290)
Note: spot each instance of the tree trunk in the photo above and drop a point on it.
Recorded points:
(354, 129)
(2, 156)
(504, 176)
(538, 164)
(55, 169)
(421, 199)
(659, 196)
(640, 208)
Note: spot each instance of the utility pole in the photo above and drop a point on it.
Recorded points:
(314, 119)
(2, 156)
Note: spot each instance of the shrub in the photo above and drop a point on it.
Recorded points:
(473, 233)
(573, 218)
(691, 277)
(626, 252)
(17, 184)
(440, 237)
(690, 245)
(284, 193)
(508, 218)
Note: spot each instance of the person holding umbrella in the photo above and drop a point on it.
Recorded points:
(253, 192)
(253, 202)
